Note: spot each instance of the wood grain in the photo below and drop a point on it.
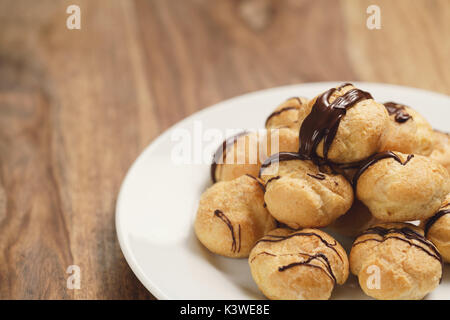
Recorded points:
(78, 106)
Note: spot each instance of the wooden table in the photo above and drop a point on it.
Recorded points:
(78, 106)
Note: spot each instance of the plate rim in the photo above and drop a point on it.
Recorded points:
(126, 251)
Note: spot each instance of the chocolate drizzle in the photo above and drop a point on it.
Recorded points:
(318, 256)
(261, 253)
(279, 157)
(279, 238)
(219, 155)
(276, 113)
(261, 185)
(318, 176)
(323, 121)
(431, 221)
(272, 179)
(227, 221)
(363, 166)
(408, 233)
(398, 110)
(287, 108)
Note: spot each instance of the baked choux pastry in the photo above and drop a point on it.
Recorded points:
(441, 150)
(286, 115)
(298, 265)
(243, 153)
(280, 140)
(437, 229)
(409, 132)
(299, 195)
(237, 156)
(231, 217)
(395, 261)
(397, 187)
(356, 220)
(345, 125)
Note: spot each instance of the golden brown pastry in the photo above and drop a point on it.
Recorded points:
(299, 195)
(286, 115)
(441, 151)
(437, 229)
(243, 154)
(409, 132)
(345, 125)
(395, 261)
(298, 265)
(397, 187)
(231, 217)
(356, 220)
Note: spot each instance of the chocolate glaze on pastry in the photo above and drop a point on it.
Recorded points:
(408, 233)
(398, 110)
(276, 113)
(318, 176)
(364, 165)
(227, 221)
(220, 152)
(263, 187)
(279, 157)
(431, 221)
(323, 121)
(278, 238)
(307, 262)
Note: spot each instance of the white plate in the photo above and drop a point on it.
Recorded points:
(158, 200)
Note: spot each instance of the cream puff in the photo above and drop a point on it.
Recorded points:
(298, 265)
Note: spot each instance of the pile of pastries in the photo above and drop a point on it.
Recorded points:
(342, 160)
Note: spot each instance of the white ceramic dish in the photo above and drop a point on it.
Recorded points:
(158, 200)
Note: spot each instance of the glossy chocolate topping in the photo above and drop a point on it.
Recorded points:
(279, 238)
(263, 253)
(272, 179)
(287, 108)
(221, 151)
(431, 221)
(318, 256)
(227, 221)
(323, 121)
(374, 159)
(408, 236)
(398, 110)
(261, 185)
(276, 113)
(279, 157)
(318, 176)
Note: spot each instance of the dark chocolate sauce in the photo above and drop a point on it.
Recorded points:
(261, 185)
(410, 156)
(408, 233)
(279, 157)
(287, 108)
(398, 110)
(227, 221)
(276, 113)
(279, 238)
(261, 253)
(317, 256)
(239, 235)
(364, 165)
(221, 151)
(323, 121)
(431, 221)
(272, 179)
(318, 176)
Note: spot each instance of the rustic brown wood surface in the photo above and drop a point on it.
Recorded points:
(78, 106)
